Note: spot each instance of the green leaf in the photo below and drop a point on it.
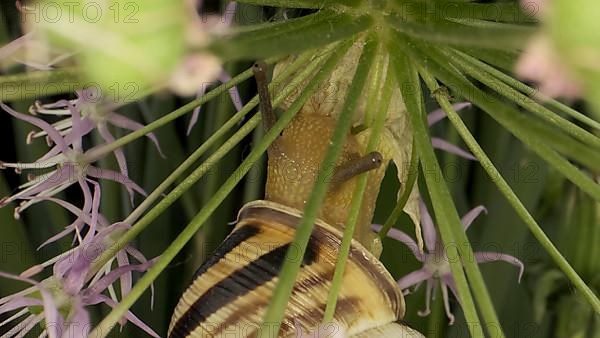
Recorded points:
(446, 32)
(290, 36)
(314, 4)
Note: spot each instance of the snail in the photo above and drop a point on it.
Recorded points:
(231, 290)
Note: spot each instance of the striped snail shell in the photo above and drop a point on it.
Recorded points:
(230, 292)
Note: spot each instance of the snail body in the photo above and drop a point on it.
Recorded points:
(230, 292)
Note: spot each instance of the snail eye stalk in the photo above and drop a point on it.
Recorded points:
(266, 108)
(355, 167)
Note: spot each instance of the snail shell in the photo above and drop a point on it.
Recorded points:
(230, 292)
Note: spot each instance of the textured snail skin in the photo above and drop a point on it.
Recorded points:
(293, 167)
(231, 290)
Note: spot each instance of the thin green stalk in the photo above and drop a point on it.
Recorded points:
(533, 134)
(357, 200)
(445, 213)
(522, 100)
(537, 134)
(413, 173)
(286, 37)
(314, 4)
(491, 12)
(447, 32)
(216, 136)
(186, 184)
(287, 276)
(113, 317)
(448, 221)
(374, 88)
(103, 150)
(531, 92)
(511, 197)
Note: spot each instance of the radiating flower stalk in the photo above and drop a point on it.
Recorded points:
(439, 46)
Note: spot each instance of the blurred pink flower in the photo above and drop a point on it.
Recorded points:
(199, 71)
(540, 63)
(436, 266)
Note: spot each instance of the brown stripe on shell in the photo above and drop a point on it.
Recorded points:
(332, 237)
(371, 287)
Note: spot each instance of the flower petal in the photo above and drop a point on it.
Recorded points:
(403, 238)
(116, 177)
(196, 112)
(470, 216)
(127, 123)
(19, 302)
(45, 126)
(128, 315)
(14, 45)
(413, 278)
(119, 154)
(439, 114)
(428, 227)
(233, 91)
(229, 13)
(50, 310)
(115, 274)
(447, 304)
(487, 256)
(444, 145)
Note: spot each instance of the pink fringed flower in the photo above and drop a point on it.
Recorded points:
(540, 62)
(436, 266)
(66, 162)
(207, 68)
(73, 285)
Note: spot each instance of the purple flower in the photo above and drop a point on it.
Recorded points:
(438, 143)
(66, 162)
(73, 285)
(436, 266)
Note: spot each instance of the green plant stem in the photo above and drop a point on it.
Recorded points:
(468, 65)
(216, 136)
(357, 200)
(186, 184)
(281, 38)
(113, 317)
(445, 213)
(446, 32)
(287, 276)
(99, 152)
(511, 197)
(314, 4)
(531, 92)
(536, 136)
